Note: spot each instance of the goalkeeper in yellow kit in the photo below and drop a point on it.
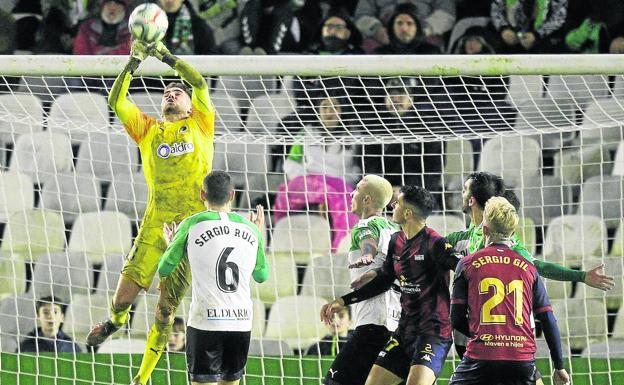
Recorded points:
(176, 153)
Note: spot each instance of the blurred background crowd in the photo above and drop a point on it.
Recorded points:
(213, 27)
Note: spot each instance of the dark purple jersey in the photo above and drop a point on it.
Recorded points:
(422, 266)
(501, 289)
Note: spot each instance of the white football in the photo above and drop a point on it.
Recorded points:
(148, 23)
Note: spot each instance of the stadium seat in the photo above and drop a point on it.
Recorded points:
(610, 349)
(109, 274)
(541, 113)
(513, 158)
(84, 311)
(259, 319)
(85, 112)
(107, 155)
(580, 163)
(618, 87)
(267, 111)
(12, 275)
(327, 277)
(62, 275)
(601, 196)
(446, 224)
(523, 88)
(545, 199)
(18, 315)
(558, 289)
(243, 159)
(71, 194)
(101, 233)
(613, 267)
(8, 343)
(282, 281)
(123, 345)
(570, 238)
(42, 155)
(34, 233)
(301, 237)
(16, 193)
(526, 233)
(228, 114)
(264, 347)
(344, 246)
(27, 108)
(617, 249)
(581, 321)
(295, 320)
(575, 91)
(128, 194)
(602, 123)
(458, 160)
(544, 352)
(618, 163)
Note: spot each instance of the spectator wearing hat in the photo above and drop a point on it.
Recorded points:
(107, 33)
(406, 34)
(49, 336)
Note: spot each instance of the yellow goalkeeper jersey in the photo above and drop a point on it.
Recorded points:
(175, 156)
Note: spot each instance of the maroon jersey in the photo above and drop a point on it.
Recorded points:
(422, 266)
(501, 289)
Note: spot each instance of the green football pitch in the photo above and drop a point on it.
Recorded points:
(83, 369)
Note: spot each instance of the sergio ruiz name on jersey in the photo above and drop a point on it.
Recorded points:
(224, 251)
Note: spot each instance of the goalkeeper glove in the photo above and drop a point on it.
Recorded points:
(138, 50)
(158, 50)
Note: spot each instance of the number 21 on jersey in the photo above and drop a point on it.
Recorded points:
(500, 290)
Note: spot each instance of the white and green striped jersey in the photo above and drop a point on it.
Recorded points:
(224, 251)
(384, 309)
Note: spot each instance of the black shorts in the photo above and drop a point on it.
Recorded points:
(401, 353)
(477, 372)
(355, 360)
(216, 355)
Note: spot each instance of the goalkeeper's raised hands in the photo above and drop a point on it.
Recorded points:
(158, 50)
(138, 50)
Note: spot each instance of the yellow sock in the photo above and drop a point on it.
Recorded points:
(156, 342)
(119, 318)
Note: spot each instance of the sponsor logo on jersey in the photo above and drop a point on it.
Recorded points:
(419, 257)
(176, 149)
(229, 314)
(486, 337)
(426, 357)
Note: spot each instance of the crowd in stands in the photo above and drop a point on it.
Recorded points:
(206, 27)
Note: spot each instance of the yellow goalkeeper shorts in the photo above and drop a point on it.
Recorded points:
(141, 264)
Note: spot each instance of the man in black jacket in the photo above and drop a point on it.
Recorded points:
(406, 35)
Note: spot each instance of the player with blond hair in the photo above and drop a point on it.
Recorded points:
(375, 318)
(499, 290)
(177, 153)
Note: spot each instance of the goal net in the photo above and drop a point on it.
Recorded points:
(297, 133)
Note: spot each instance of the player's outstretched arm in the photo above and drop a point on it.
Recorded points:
(135, 123)
(175, 251)
(594, 277)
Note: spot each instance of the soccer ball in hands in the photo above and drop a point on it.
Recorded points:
(148, 23)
